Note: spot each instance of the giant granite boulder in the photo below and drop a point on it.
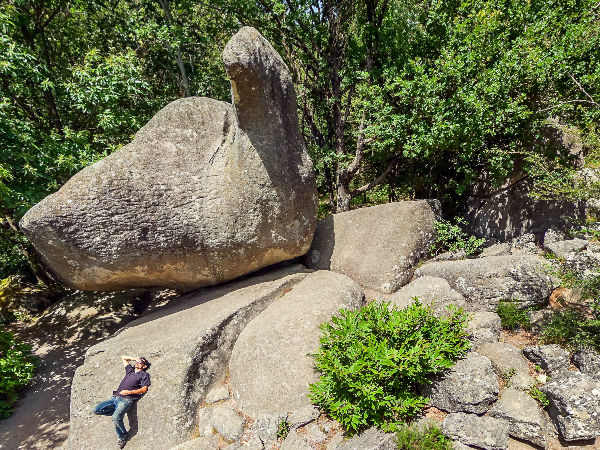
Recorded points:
(379, 246)
(188, 344)
(206, 191)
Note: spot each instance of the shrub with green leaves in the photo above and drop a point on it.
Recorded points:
(512, 316)
(569, 328)
(539, 396)
(451, 238)
(16, 370)
(428, 437)
(371, 360)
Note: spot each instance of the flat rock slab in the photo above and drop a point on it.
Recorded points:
(524, 416)
(469, 386)
(551, 358)
(371, 439)
(574, 405)
(483, 327)
(486, 281)
(505, 358)
(188, 346)
(379, 246)
(430, 291)
(270, 368)
(206, 191)
(482, 432)
(294, 441)
(227, 422)
(563, 249)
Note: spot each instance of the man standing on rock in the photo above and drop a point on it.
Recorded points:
(133, 386)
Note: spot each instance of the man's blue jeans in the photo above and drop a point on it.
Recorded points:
(115, 407)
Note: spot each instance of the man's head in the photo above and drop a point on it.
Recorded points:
(142, 363)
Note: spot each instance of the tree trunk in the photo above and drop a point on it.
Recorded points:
(185, 82)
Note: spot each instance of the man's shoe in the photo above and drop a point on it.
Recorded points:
(121, 442)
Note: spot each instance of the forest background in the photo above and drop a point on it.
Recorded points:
(397, 99)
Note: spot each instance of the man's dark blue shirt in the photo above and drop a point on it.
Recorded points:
(132, 382)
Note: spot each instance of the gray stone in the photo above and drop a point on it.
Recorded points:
(207, 191)
(563, 249)
(313, 434)
(469, 386)
(486, 281)
(501, 249)
(486, 433)
(294, 441)
(457, 445)
(524, 416)
(553, 235)
(551, 358)
(511, 212)
(253, 443)
(574, 404)
(233, 446)
(336, 441)
(378, 247)
(205, 427)
(189, 346)
(507, 357)
(371, 439)
(431, 291)
(588, 362)
(266, 426)
(217, 394)
(270, 367)
(202, 443)
(483, 327)
(227, 422)
(303, 415)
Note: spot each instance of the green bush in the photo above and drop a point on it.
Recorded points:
(451, 238)
(512, 316)
(569, 328)
(428, 437)
(539, 396)
(371, 360)
(16, 371)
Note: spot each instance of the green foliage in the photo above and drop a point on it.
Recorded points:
(571, 329)
(512, 316)
(506, 376)
(539, 396)
(16, 371)
(371, 360)
(451, 238)
(283, 429)
(427, 437)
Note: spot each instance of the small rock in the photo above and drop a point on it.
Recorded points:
(563, 249)
(588, 362)
(371, 439)
(457, 445)
(553, 235)
(483, 432)
(253, 443)
(303, 415)
(228, 423)
(539, 319)
(524, 416)
(483, 327)
(574, 404)
(267, 425)
(469, 386)
(313, 433)
(233, 446)
(506, 357)
(450, 256)
(294, 441)
(217, 394)
(205, 427)
(551, 358)
(335, 441)
(430, 291)
(495, 250)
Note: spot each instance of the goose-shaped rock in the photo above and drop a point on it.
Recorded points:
(206, 191)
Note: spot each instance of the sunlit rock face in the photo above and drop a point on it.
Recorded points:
(206, 191)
